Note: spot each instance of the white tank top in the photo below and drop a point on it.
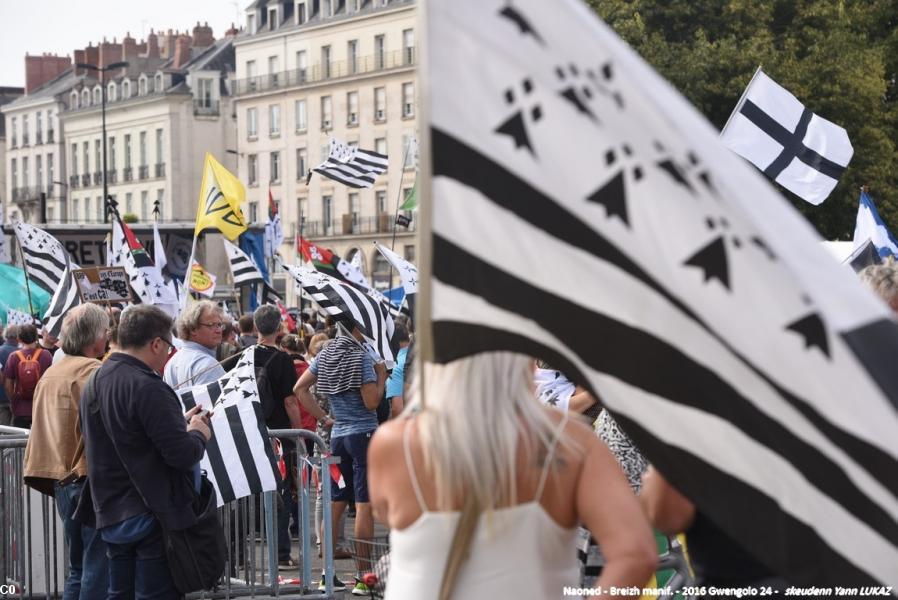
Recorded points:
(517, 552)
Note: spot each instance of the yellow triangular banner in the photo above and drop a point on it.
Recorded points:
(221, 195)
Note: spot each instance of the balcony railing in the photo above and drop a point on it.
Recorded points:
(38, 138)
(160, 169)
(98, 177)
(346, 225)
(144, 171)
(50, 136)
(85, 180)
(112, 176)
(207, 107)
(326, 71)
(128, 174)
(24, 139)
(74, 181)
(23, 194)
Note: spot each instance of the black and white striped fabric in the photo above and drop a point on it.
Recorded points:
(268, 295)
(65, 297)
(44, 256)
(617, 239)
(351, 166)
(347, 303)
(243, 270)
(239, 459)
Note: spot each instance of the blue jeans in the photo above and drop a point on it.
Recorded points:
(139, 570)
(88, 575)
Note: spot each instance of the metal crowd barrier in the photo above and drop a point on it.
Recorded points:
(34, 561)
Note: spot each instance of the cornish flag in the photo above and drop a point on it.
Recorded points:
(870, 226)
(617, 240)
(352, 166)
(798, 149)
(239, 458)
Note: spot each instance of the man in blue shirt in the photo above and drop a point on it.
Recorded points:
(354, 384)
(10, 345)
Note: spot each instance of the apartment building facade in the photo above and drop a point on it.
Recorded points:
(163, 113)
(309, 70)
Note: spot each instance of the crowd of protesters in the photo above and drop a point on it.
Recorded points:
(477, 480)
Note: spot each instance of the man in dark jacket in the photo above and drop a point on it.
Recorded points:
(142, 456)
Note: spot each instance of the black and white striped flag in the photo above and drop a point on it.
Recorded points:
(64, 298)
(243, 270)
(268, 295)
(239, 459)
(617, 239)
(352, 166)
(44, 256)
(351, 305)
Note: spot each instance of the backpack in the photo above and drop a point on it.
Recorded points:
(28, 373)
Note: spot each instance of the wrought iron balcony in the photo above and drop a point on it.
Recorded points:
(144, 171)
(128, 174)
(85, 180)
(359, 65)
(206, 107)
(160, 169)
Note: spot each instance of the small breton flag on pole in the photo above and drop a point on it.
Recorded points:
(351, 166)
(243, 270)
(801, 151)
(239, 459)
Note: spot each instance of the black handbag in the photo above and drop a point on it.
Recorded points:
(196, 555)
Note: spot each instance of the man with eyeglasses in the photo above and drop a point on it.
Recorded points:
(199, 327)
(142, 456)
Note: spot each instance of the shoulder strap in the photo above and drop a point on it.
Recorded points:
(410, 465)
(549, 456)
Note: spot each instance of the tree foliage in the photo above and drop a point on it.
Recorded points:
(840, 58)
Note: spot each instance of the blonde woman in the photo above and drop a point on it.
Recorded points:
(483, 488)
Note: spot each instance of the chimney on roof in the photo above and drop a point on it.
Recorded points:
(41, 69)
(129, 47)
(232, 32)
(92, 57)
(202, 36)
(167, 44)
(152, 45)
(110, 52)
(182, 51)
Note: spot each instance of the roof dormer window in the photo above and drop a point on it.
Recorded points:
(142, 85)
(73, 100)
(272, 19)
(126, 89)
(98, 94)
(159, 87)
(85, 97)
(111, 90)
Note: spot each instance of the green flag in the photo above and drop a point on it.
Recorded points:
(411, 201)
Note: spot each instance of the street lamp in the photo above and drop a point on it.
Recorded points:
(102, 71)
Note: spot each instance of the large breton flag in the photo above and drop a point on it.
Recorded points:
(65, 297)
(615, 238)
(352, 306)
(239, 460)
(352, 166)
(44, 256)
(798, 149)
(243, 269)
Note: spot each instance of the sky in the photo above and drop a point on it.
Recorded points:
(61, 26)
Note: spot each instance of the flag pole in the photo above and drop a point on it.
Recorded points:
(741, 100)
(398, 202)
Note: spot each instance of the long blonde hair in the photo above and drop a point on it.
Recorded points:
(471, 415)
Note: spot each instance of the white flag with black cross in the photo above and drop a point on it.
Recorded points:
(801, 151)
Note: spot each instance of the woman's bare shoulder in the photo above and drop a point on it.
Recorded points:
(388, 437)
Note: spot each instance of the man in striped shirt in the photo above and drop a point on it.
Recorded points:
(354, 384)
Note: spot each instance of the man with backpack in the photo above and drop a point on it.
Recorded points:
(22, 371)
(275, 377)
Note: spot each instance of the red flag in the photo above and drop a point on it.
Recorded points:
(285, 316)
(272, 207)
